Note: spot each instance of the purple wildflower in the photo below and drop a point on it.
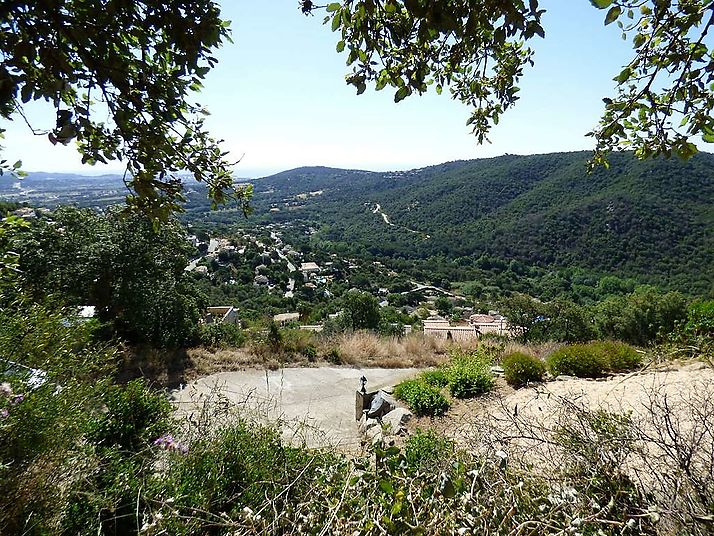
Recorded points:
(17, 399)
(4, 413)
(5, 390)
(168, 442)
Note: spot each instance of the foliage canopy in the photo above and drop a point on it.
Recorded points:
(664, 95)
(134, 62)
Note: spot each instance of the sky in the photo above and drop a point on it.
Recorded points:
(279, 100)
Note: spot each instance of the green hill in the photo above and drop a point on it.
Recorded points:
(653, 220)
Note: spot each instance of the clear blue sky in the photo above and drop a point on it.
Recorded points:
(278, 97)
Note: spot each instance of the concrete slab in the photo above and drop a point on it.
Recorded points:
(312, 405)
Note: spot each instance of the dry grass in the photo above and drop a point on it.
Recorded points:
(206, 361)
(369, 349)
(539, 350)
(363, 348)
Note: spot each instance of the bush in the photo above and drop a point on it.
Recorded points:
(618, 355)
(520, 368)
(469, 376)
(426, 450)
(581, 360)
(333, 356)
(700, 319)
(593, 360)
(219, 335)
(134, 416)
(422, 398)
(310, 352)
(437, 377)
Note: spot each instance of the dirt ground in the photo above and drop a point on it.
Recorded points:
(541, 403)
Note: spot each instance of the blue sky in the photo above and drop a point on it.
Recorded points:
(279, 100)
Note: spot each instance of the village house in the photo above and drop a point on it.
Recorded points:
(284, 318)
(308, 268)
(490, 323)
(221, 314)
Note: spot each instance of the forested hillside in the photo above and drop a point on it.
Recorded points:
(648, 220)
(652, 220)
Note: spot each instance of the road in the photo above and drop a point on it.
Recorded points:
(378, 210)
(313, 404)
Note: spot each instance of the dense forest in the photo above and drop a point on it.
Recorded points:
(649, 220)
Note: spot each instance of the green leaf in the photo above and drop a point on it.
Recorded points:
(601, 4)
(340, 46)
(336, 21)
(386, 486)
(447, 488)
(334, 6)
(624, 75)
(401, 94)
(612, 15)
(686, 150)
(708, 138)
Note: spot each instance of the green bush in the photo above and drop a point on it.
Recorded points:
(333, 356)
(135, 415)
(593, 360)
(520, 368)
(437, 377)
(422, 398)
(700, 319)
(219, 335)
(581, 360)
(469, 376)
(618, 355)
(426, 449)
(310, 352)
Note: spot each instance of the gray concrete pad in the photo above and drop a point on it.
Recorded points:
(312, 405)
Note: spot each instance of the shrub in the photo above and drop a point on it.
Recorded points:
(618, 355)
(310, 352)
(333, 356)
(134, 416)
(520, 368)
(593, 360)
(422, 398)
(220, 335)
(469, 376)
(426, 450)
(437, 377)
(581, 360)
(700, 319)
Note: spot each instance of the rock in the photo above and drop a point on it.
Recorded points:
(372, 433)
(367, 424)
(497, 370)
(564, 378)
(377, 439)
(381, 404)
(396, 419)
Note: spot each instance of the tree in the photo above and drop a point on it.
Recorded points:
(136, 62)
(443, 305)
(527, 315)
(132, 273)
(642, 317)
(479, 50)
(360, 310)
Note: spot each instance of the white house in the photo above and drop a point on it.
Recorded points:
(284, 318)
(222, 314)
